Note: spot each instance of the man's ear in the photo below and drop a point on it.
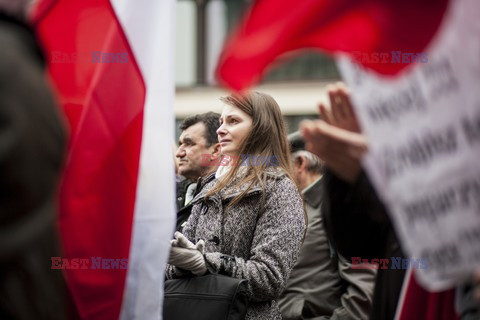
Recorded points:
(300, 163)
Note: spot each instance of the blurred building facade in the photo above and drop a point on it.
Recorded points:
(298, 84)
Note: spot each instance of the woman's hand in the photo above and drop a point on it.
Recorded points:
(188, 256)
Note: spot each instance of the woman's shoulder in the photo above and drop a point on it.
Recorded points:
(279, 180)
(276, 173)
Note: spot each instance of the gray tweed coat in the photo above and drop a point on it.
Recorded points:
(246, 242)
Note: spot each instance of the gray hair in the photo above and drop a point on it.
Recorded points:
(314, 163)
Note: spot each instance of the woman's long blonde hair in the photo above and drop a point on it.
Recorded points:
(267, 138)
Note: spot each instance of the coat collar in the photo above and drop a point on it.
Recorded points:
(314, 194)
(232, 190)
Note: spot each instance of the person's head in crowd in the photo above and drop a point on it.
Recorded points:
(197, 140)
(252, 124)
(307, 167)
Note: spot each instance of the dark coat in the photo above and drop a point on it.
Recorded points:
(250, 241)
(182, 186)
(323, 285)
(358, 225)
(183, 212)
(32, 143)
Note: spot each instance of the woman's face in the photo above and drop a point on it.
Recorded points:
(235, 125)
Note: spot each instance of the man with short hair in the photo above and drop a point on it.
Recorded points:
(322, 284)
(198, 153)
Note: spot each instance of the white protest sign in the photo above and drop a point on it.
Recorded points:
(424, 154)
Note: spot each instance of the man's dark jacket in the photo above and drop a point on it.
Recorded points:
(357, 222)
(183, 212)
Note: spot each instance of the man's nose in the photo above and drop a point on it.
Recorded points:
(180, 152)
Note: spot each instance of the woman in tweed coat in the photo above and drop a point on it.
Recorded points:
(251, 217)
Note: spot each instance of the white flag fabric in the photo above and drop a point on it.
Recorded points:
(149, 27)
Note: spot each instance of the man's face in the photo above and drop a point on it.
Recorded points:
(192, 145)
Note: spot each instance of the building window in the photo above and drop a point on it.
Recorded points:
(185, 44)
(202, 27)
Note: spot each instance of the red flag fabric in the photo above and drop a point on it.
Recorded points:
(109, 204)
(366, 29)
(419, 304)
(98, 190)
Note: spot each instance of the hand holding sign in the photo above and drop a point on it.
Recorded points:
(422, 128)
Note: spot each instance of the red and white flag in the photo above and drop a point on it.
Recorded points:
(111, 65)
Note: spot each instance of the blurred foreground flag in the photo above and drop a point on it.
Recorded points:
(111, 65)
(373, 31)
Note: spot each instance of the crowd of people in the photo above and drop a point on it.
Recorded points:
(290, 227)
(250, 223)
